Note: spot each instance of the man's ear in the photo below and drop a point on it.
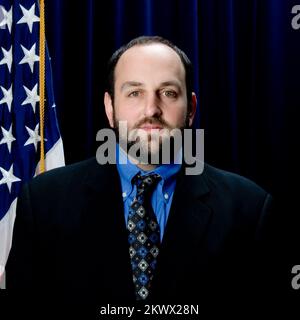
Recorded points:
(193, 108)
(109, 109)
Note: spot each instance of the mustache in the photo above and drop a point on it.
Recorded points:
(153, 121)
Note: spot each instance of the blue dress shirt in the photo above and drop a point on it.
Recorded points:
(163, 193)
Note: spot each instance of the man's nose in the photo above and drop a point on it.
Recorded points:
(152, 106)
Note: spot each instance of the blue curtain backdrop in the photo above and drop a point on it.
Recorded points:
(247, 67)
(246, 62)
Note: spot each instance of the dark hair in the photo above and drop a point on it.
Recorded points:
(145, 40)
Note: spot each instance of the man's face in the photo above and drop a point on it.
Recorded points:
(150, 92)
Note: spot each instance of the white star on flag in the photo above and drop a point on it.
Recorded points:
(29, 17)
(7, 58)
(7, 96)
(32, 97)
(8, 138)
(8, 177)
(29, 56)
(7, 18)
(34, 137)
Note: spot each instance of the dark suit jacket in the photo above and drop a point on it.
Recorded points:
(70, 236)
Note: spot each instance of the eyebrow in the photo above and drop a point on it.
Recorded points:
(129, 84)
(170, 83)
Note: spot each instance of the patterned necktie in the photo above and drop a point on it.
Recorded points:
(143, 235)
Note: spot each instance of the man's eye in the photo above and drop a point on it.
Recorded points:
(170, 94)
(134, 94)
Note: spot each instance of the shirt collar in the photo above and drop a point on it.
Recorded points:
(127, 171)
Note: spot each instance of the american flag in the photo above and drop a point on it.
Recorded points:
(19, 110)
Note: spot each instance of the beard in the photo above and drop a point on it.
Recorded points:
(159, 146)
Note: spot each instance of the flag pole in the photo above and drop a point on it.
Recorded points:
(42, 84)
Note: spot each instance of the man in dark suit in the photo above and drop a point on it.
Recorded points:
(73, 231)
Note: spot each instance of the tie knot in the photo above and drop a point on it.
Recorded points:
(145, 183)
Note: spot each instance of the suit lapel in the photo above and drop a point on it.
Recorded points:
(189, 216)
(185, 231)
(104, 234)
